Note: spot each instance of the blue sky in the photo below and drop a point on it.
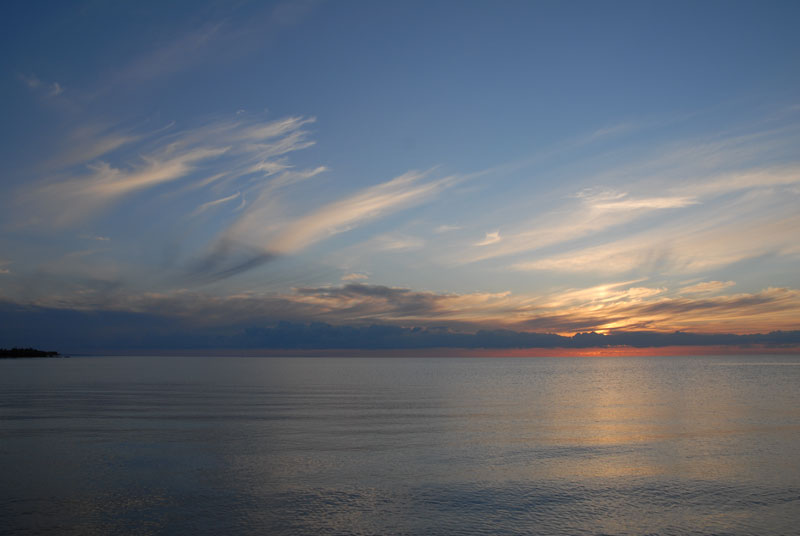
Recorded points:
(534, 166)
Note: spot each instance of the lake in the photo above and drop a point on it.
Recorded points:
(224, 445)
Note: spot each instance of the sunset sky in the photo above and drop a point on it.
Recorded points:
(223, 174)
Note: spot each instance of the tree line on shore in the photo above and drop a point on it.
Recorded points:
(26, 352)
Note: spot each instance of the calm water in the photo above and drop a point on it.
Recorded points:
(400, 446)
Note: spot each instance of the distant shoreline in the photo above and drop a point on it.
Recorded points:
(21, 353)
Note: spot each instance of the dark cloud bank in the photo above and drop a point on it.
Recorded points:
(97, 331)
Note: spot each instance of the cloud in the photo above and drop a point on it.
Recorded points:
(396, 242)
(622, 306)
(196, 170)
(78, 198)
(401, 192)
(601, 201)
(33, 82)
(490, 238)
(686, 179)
(354, 277)
(768, 309)
(85, 143)
(707, 287)
(229, 152)
(647, 203)
(682, 247)
(738, 312)
(598, 259)
(169, 327)
(244, 155)
(228, 259)
(611, 131)
(55, 89)
(216, 202)
(258, 229)
(446, 229)
(257, 237)
(754, 179)
(30, 80)
(356, 303)
(596, 212)
(605, 294)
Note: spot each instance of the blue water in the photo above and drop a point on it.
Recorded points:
(177, 445)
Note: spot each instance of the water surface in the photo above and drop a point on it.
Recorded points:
(623, 445)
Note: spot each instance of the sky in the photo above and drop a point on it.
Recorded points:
(467, 174)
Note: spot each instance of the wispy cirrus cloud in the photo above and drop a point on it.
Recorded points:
(489, 238)
(215, 203)
(598, 295)
(622, 202)
(252, 151)
(690, 208)
(78, 198)
(52, 89)
(210, 167)
(336, 217)
(683, 247)
(258, 236)
(740, 181)
(593, 213)
(393, 242)
(707, 287)
(86, 143)
(611, 131)
(99, 238)
(685, 179)
(401, 192)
